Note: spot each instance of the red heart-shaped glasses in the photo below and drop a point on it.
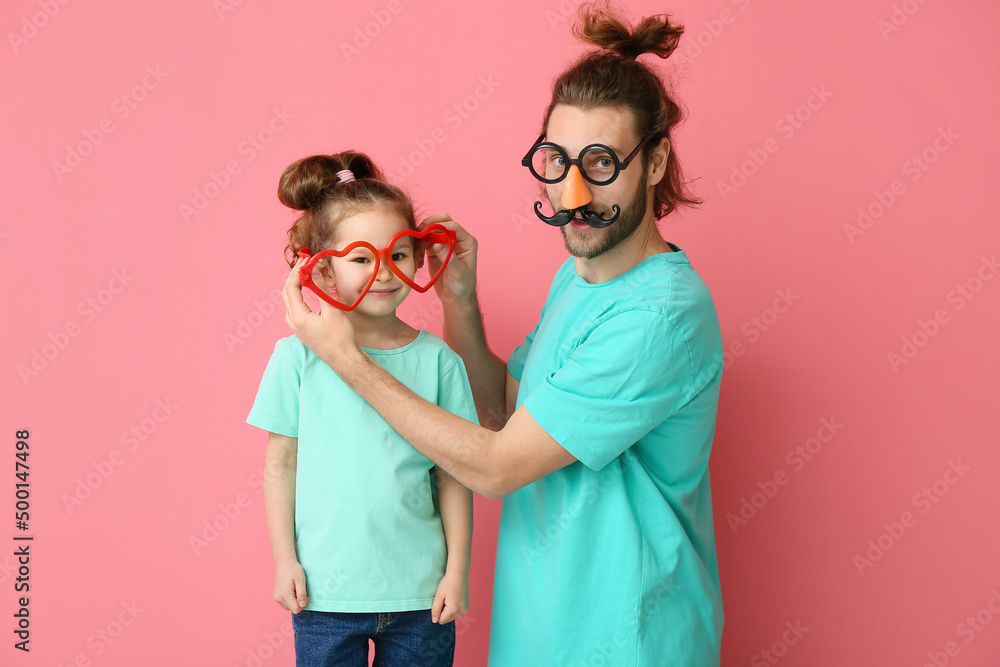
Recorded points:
(434, 233)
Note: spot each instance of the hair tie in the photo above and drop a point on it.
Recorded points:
(345, 176)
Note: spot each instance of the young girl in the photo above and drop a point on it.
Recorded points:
(367, 543)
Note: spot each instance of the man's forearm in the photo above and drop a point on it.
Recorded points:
(464, 332)
(465, 450)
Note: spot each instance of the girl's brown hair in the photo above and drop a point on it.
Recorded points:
(312, 185)
(613, 77)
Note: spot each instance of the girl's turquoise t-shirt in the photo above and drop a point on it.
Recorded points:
(611, 560)
(367, 524)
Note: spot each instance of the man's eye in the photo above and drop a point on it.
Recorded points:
(605, 163)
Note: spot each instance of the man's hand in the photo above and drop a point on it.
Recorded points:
(329, 333)
(459, 279)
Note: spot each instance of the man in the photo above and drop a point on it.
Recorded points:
(602, 420)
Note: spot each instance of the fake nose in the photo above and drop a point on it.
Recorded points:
(575, 192)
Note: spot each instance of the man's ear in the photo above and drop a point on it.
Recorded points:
(658, 162)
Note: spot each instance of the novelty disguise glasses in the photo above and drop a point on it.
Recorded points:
(434, 233)
(598, 164)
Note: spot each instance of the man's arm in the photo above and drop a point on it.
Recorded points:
(463, 325)
(491, 463)
(488, 376)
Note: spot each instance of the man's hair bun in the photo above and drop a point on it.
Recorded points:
(600, 26)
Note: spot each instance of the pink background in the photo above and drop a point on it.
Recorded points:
(188, 321)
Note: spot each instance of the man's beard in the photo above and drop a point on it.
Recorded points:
(610, 237)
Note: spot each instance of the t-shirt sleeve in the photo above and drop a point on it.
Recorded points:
(455, 392)
(632, 372)
(276, 407)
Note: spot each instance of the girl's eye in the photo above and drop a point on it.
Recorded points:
(398, 256)
(360, 260)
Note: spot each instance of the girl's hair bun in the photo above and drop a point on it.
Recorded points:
(306, 183)
(600, 26)
(311, 185)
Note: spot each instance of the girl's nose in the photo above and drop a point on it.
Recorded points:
(384, 272)
(575, 192)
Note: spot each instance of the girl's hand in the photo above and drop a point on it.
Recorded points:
(459, 279)
(290, 585)
(451, 599)
(328, 333)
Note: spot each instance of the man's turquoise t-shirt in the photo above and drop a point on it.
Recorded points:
(367, 523)
(611, 560)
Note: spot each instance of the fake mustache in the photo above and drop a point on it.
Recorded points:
(563, 217)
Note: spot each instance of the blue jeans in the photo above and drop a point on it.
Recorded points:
(402, 639)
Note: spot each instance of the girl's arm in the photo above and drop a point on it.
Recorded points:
(455, 501)
(279, 508)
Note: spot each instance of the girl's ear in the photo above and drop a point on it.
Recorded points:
(419, 252)
(326, 271)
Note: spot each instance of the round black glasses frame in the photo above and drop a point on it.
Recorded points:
(619, 164)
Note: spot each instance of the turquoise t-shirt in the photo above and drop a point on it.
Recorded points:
(367, 524)
(611, 560)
